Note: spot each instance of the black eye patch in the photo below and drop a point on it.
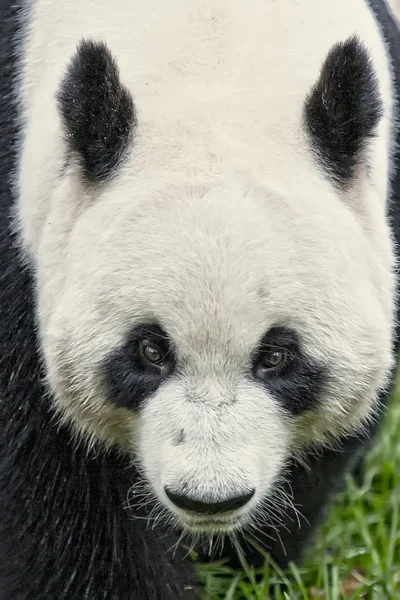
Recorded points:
(128, 374)
(297, 380)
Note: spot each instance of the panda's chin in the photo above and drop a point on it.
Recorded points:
(212, 526)
(209, 525)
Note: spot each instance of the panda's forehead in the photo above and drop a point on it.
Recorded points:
(207, 298)
(216, 267)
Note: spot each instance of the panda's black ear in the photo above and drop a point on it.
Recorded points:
(97, 111)
(343, 109)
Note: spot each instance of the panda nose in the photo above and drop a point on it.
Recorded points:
(209, 508)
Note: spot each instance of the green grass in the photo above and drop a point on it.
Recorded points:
(358, 553)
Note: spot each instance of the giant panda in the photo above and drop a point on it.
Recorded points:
(199, 207)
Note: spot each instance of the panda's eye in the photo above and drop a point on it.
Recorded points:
(151, 353)
(273, 359)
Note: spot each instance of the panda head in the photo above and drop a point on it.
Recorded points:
(214, 329)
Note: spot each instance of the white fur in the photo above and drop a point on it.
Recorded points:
(219, 225)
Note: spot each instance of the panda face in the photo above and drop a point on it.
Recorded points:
(214, 338)
(214, 329)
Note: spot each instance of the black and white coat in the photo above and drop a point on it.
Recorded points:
(199, 214)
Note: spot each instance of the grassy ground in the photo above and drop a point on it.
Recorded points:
(358, 555)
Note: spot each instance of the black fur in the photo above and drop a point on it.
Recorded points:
(97, 111)
(343, 110)
(127, 380)
(298, 386)
(65, 531)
